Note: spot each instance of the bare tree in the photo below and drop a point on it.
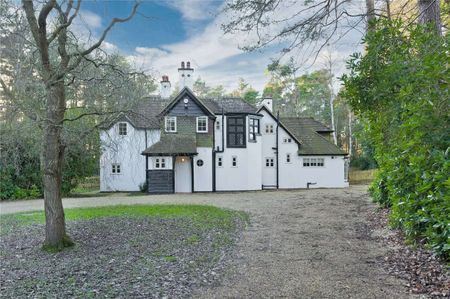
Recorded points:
(53, 72)
(294, 22)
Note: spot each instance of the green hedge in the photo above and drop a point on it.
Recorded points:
(400, 87)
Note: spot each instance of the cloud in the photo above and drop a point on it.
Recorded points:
(194, 10)
(90, 19)
(218, 60)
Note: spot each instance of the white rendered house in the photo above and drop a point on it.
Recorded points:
(188, 144)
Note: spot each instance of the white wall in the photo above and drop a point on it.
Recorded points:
(125, 150)
(269, 175)
(247, 174)
(293, 174)
(331, 175)
(218, 133)
(203, 174)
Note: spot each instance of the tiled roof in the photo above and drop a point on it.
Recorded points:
(173, 144)
(307, 122)
(313, 143)
(142, 114)
(229, 105)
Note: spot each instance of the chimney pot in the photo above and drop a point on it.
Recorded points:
(182, 64)
(188, 65)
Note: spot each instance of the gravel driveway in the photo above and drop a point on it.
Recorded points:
(300, 244)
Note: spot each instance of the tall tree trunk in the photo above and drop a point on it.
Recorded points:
(370, 8)
(430, 13)
(350, 136)
(333, 126)
(53, 157)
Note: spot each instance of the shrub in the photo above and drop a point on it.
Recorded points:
(400, 89)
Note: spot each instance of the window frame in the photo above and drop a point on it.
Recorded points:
(270, 162)
(253, 129)
(160, 163)
(287, 139)
(166, 120)
(206, 124)
(313, 162)
(235, 132)
(119, 128)
(288, 158)
(220, 161)
(234, 162)
(116, 168)
(322, 162)
(306, 162)
(269, 129)
(218, 125)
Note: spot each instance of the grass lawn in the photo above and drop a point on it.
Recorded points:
(205, 216)
(134, 251)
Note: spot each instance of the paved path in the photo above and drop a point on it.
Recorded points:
(300, 244)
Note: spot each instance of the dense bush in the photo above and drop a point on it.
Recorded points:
(400, 87)
(20, 174)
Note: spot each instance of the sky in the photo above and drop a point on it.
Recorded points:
(165, 32)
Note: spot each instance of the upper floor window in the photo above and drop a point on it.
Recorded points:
(288, 158)
(253, 128)
(160, 163)
(202, 124)
(171, 123)
(236, 131)
(287, 139)
(269, 129)
(115, 168)
(313, 162)
(122, 128)
(234, 161)
(269, 162)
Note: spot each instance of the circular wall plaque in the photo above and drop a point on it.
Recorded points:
(199, 162)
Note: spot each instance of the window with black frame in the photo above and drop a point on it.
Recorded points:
(236, 131)
(253, 129)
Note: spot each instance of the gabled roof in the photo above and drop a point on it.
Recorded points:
(146, 113)
(186, 92)
(296, 138)
(313, 143)
(173, 144)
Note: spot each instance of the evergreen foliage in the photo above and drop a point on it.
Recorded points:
(400, 88)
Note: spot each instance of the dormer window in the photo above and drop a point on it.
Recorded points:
(171, 124)
(202, 124)
(123, 129)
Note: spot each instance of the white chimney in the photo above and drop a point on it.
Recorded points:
(268, 102)
(186, 75)
(165, 87)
